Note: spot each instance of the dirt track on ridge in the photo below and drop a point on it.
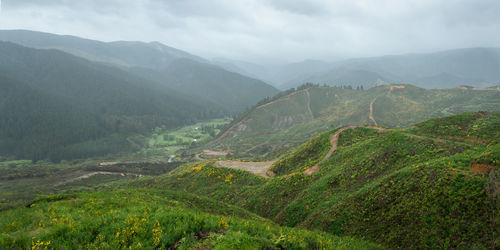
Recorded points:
(262, 168)
(334, 142)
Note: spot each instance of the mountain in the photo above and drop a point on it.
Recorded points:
(230, 90)
(151, 55)
(166, 66)
(445, 69)
(432, 186)
(345, 77)
(294, 116)
(276, 74)
(57, 105)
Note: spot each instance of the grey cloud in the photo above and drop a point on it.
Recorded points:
(267, 30)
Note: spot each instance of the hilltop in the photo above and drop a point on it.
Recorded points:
(294, 116)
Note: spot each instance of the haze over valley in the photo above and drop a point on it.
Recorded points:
(249, 125)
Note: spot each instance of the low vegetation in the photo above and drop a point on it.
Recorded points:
(399, 188)
(425, 187)
(144, 218)
(294, 118)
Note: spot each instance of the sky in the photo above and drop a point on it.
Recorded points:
(269, 30)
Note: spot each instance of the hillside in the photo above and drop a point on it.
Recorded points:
(293, 118)
(137, 218)
(232, 91)
(432, 186)
(167, 67)
(57, 105)
(344, 77)
(444, 69)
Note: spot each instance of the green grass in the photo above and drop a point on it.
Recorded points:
(307, 155)
(144, 218)
(424, 187)
(164, 142)
(400, 188)
(481, 126)
(286, 122)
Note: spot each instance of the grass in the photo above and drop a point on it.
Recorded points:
(22, 180)
(286, 122)
(164, 142)
(144, 218)
(403, 188)
(432, 186)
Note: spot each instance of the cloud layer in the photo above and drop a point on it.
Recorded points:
(269, 30)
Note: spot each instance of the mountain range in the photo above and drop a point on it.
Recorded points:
(445, 69)
(67, 97)
(166, 66)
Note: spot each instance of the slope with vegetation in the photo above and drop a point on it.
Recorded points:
(119, 218)
(432, 186)
(58, 106)
(291, 119)
(165, 66)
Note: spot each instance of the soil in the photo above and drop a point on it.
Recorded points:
(257, 168)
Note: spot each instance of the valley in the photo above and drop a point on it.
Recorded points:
(139, 145)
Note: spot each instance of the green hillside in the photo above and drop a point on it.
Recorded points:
(144, 218)
(60, 106)
(432, 186)
(299, 115)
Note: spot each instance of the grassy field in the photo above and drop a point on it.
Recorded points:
(163, 143)
(139, 218)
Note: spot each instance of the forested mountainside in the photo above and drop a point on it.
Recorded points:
(167, 67)
(232, 91)
(294, 116)
(60, 106)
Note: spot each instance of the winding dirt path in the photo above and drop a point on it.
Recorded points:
(371, 112)
(334, 142)
(88, 175)
(262, 168)
(309, 104)
(391, 88)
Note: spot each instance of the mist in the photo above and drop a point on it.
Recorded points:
(275, 31)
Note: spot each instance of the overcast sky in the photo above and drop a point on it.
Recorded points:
(269, 30)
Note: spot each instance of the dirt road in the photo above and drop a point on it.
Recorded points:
(258, 168)
(334, 142)
(371, 112)
(262, 168)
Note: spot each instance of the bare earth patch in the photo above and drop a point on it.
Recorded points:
(257, 168)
